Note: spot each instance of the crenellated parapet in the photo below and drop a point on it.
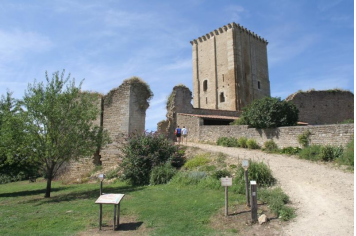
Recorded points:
(224, 29)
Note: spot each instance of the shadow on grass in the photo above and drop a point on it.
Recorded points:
(89, 194)
(130, 226)
(30, 192)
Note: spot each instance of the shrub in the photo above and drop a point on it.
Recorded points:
(252, 144)
(290, 150)
(270, 113)
(303, 138)
(240, 121)
(286, 213)
(144, 151)
(162, 174)
(270, 146)
(242, 142)
(257, 171)
(198, 160)
(348, 121)
(276, 200)
(207, 168)
(220, 174)
(233, 166)
(347, 157)
(112, 174)
(188, 178)
(327, 153)
(311, 153)
(227, 142)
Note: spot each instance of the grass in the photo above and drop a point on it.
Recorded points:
(24, 211)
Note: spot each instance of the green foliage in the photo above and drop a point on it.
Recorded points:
(162, 174)
(348, 121)
(276, 200)
(257, 171)
(304, 139)
(252, 144)
(290, 150)
(233, 166)
(270, 113)
(242, 141)
(221, 173)
(270, 146)
(59, 122)
(311, 152)
(144, 151)
(112, 174)
(227, 142)
(329, 153)
(198, 160)
(189, 178)
(348, 156)
(240, 121)
(286, 213)
(207, 168)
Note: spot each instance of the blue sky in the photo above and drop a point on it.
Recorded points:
(311, 42)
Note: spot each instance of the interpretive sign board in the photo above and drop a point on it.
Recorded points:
(110, 199)
(226, 181)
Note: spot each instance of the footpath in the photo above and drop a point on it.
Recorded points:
(322, 194)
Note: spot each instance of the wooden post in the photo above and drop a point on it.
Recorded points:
(100, 215)
(114, 216)
(226, 201)
(247, 189)
(118, 215)
(253, 201)
(101, 188)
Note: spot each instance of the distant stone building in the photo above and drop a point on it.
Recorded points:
(230, 68)
(323, 107)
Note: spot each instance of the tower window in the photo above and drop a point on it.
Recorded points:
(223, 78)
(206, 100)
(222, 97)
(205, 85)
(259, 84)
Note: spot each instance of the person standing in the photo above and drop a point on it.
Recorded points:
(178, 133)
(185, 135)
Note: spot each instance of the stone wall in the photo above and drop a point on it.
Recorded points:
(230, 68)
(324, 107)
(338, 134)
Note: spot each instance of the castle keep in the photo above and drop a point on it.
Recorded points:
(230, 68)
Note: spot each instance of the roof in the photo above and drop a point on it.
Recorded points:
(211, 116)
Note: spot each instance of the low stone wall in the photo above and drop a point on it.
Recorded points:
(338, 134)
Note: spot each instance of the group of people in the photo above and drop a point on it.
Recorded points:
(181, 133)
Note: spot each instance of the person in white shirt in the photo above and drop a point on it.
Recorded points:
(185, 134)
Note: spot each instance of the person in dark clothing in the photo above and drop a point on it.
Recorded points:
(178, 133)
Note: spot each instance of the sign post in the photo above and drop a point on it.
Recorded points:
(245, 165)
(225, 182)
(101, 177)
(253, 201)
(114, 199)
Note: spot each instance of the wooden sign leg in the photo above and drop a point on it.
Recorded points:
(118, 215)
(100, 215)
(247, 189)
(226, 202)
(114, 216)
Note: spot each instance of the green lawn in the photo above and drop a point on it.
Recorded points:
(163, 209)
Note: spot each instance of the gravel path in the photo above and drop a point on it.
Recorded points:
(323, 195)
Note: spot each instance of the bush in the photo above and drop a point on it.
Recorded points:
(198, 160)
(329, 153)
(303, 138)
(240, 121)
(242, 142)
(144, 151)
(227, 142)
(221, 174)
(207, 168)
(348, 121)
(252, 144)
(188, 178)
(290, 150)
(286, 213)
(112, 174)
(270, 146)
(270, 113)
(257, 171)
(162, 174)
(311, 153)
(348, 156)
(276, 200)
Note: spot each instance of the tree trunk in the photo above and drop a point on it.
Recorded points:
(48, 189)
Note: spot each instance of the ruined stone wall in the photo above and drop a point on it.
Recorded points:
(339, 134)
(230, 68)
(324, 107)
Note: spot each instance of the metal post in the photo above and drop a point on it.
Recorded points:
(114, 216)
(226, 201)
(100, 215)
(101, 188)
(118, 215)
(253, 201)
(247, 189)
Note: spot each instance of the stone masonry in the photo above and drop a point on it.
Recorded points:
(324, 107)
(230, 68)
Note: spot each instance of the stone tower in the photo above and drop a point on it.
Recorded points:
(230, 68)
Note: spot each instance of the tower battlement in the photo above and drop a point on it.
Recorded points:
(225, 28)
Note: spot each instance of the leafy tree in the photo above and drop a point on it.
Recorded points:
(269, 113)
(15, 163)
(59, 121)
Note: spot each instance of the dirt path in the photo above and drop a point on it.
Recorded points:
(322, 195)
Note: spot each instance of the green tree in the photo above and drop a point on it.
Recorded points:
(15, 162)
(60, 123)
(269, 113)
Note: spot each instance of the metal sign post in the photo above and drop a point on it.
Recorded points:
(253, 201)
(226, 182)
(101, 177)
(245, 165)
